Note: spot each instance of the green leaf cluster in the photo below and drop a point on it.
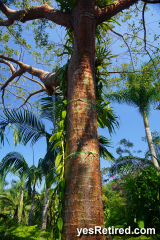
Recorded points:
(143, 199)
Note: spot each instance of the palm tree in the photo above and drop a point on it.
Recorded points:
(140, 92)
(15, 162)
(49, 171)
(34, 175)
(11, 196)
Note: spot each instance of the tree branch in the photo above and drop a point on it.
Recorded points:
(144, 25)
(121, 72)
(123, 40)
(46, 77)
(104, 14)
(9, 64)
(26, 100)
(15, 74)
(18, 96)
(43, 11)
(13, 70)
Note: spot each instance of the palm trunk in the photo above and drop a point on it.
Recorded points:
(82, 204)
(45, 209)
(21, 199)
(21, 205)
(30, 220)
(149, 140)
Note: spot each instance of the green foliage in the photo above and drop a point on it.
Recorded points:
(8, 223)
(143, 199)
(24, 232)
(115, 204)
(68, 5)
(133, 202)
(103, 3)
(126, 237)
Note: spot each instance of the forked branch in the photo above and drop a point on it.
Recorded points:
(47, 78)
(104, 14)
(43, 11)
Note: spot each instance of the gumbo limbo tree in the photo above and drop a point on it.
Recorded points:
(82, 202)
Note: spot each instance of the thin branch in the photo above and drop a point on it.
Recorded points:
(144, 25)
(33, 80)
(123, 40)
(18, 78)
(3, 98)
(19, 88)
(15, 74)
(141, 39)
(121, 72)
(43, 11)
(18, 96)
(38, 91)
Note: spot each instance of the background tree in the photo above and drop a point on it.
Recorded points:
(16, 163)
(140, 92)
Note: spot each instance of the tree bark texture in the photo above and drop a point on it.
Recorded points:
(45, 210)
(149, 140)
(82, 205)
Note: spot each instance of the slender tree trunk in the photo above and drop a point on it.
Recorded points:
(30, 220)
(82, 205)
(50, 221)
(21, 205)
(149, 140)
(45, 209)
(15, 213)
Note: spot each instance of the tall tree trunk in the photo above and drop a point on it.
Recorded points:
(20, 205)
(149, 140)
(45, 209)
(30, 219)
(82, 205)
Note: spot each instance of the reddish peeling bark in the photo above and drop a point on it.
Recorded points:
(82, 205)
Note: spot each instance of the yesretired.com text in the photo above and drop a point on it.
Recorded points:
(112, 230)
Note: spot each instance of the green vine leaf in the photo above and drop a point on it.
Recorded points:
(60, 224)
(58, 159)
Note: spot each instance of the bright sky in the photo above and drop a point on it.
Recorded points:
(131, 128)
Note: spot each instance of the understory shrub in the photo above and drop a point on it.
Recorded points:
(25, 232)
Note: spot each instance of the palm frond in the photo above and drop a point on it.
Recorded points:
(106, 117)
(15, 160)
(104, 143)
(49, 109)
(128, 164)
(26, 126)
